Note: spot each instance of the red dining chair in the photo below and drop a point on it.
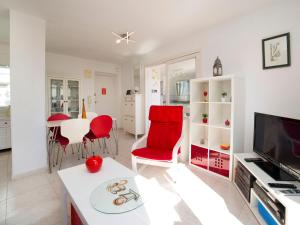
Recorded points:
(55, 134)
(161, 146)
(100, 128)
(55, 131)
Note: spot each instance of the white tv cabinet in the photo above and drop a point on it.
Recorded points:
(291, 203)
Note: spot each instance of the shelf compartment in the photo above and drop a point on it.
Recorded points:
(217, 87)
(219, 136)
(219, 163)
(254, 206)
(219, 113)
(199, 156)
(199, 133)
(196, 112)
(197, 91)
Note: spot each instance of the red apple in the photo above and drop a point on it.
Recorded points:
(94, 163)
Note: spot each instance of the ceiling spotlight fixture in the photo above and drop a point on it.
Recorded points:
(124, 37)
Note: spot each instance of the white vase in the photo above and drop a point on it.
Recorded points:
(223, 99)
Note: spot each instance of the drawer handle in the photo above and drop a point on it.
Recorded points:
(5, 123)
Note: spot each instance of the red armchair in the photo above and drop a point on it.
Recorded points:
(161, 146)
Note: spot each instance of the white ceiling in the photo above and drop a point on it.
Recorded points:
(83, 27)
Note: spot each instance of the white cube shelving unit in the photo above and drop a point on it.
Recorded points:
(206, 138)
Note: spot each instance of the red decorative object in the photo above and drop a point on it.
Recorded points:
(205, 120)
(199, 156)
(205, 93)
(225, 147)
(219, 163)
(93, 163)
(227, 123)
(75, 219)
(103, 91)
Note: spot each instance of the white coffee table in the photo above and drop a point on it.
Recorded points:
(79, 184)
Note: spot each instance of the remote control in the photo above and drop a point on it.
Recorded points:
(291, 192)
(254, 159)
(280, 185)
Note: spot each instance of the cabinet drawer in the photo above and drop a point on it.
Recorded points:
(129, 108)
(129, 124)
(129, 99)
(199, 156)
(219, 163)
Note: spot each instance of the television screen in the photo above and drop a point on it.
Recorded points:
(278, 139)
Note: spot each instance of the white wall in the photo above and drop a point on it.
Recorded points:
(73, 67)
(27, 57)
(238, 44)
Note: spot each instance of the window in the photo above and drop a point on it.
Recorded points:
(4, 86)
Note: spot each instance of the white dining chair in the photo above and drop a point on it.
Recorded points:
(89, 115)
(73, 132)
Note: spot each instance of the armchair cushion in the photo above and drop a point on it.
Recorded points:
(154, 154)
(165, 128)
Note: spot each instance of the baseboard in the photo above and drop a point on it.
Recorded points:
(30, 173)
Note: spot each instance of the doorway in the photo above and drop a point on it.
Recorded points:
(106, 95)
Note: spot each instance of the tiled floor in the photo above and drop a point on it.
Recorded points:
(204, 198)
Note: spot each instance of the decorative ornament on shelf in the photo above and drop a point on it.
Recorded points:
(205, 118)
(224, 95)
(202, 141)
(225, 146)
(227, 123)
(83, 115)
(205, 94)
(94, 163)
(217, 68)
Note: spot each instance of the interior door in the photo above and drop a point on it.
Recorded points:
(57, 96)
(106, 95)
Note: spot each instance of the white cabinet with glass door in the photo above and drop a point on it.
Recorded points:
(64, 96)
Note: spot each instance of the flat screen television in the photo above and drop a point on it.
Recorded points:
(277, 139)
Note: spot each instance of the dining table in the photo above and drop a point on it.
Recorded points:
(52, 129)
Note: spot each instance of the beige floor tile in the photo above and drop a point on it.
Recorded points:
(26, 184)
(26, 200)
(246, 216)
(3, 191)
(2, 212)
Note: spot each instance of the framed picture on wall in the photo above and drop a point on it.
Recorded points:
(276, 51)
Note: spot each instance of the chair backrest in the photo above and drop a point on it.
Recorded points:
(89, 115)
(101, 126)
(58, 116)
(165, 128)
(75, 129)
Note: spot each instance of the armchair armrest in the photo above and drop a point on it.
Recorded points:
(140, 143)
(176, 147)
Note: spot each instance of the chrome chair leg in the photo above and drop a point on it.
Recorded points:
(107, 151)
(58, 150)
(62, 155)
(78, 152)
(100, 146)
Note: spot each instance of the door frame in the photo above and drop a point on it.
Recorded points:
(65, 79)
